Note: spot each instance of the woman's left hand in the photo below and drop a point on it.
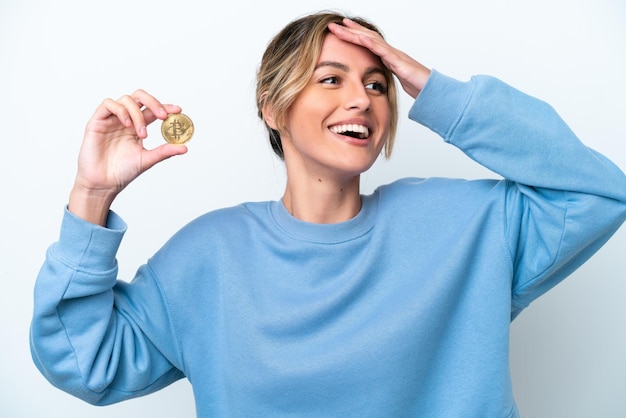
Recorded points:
(411, 74)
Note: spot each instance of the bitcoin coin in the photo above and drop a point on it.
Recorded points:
(177, 128)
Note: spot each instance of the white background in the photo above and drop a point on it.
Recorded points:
(59, 59)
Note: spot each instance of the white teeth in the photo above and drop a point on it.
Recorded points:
(360, 129)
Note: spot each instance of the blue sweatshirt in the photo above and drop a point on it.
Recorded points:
(403, 310)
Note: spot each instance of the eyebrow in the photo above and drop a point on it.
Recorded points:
(345, 68)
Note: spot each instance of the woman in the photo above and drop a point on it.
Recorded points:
(328, 302)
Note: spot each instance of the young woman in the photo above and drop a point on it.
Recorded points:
(328, 302)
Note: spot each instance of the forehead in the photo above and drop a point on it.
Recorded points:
(337, 50)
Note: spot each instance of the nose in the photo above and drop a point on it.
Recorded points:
(356, 97)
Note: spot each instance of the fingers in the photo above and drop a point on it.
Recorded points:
(134, 105)
(411, 74)
(352, 32)
(359, 35)
(136, 110)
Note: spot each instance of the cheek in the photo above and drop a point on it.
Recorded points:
(384, 116)
(297, 117)
(298, 125)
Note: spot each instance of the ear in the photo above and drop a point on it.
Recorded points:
(268, 113)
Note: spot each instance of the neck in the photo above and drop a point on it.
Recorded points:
(322, 201)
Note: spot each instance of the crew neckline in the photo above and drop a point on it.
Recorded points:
(335, 233)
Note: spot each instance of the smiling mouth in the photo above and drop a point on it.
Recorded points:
(351, 130)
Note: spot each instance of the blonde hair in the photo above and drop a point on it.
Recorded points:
(288, 64)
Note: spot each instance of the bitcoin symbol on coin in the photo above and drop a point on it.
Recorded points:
(177, 128)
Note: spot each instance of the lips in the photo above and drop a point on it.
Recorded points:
(352, 130)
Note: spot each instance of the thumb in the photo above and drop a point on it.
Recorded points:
(161, 153)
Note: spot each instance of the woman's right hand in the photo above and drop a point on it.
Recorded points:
(411, 74)
(113, 154)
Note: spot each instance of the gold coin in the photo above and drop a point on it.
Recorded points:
(177, 128)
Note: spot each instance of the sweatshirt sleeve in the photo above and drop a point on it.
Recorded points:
(562, 200)
(85, 335)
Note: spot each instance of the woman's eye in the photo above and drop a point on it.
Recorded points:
(330, 80)
(377, 86)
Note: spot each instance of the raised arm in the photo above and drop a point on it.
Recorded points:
(84, 338)
(112, 153)
(563, 199)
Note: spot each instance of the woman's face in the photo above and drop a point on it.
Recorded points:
(339, 123)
